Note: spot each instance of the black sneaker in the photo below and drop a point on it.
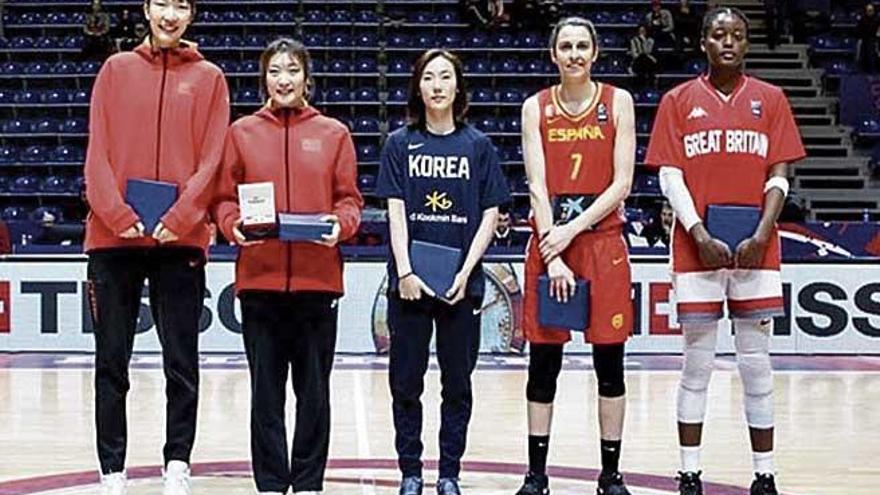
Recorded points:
(535, 484)
(764, 484)
(411, 485)
(611, 484)
(448, 486)
(689, 483)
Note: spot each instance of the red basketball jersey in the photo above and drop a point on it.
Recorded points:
(579, 149)
(725, 147)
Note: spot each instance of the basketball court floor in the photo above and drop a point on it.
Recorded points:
(827, 412)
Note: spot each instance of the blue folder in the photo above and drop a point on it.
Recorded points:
(150, 199)
(573, 315)
(435, 264)
(297, 227)
(732, 224)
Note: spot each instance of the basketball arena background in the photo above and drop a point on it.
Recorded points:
(362, 54)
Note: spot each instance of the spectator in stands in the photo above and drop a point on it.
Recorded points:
(125, 32)
(289, 291)
(687, 26)
(97, 44)
(505, 235)
(483, 13)
(658, 230)
(867, 30)
(661, 25)
(131, 137)
(535, 14)
(644, 64)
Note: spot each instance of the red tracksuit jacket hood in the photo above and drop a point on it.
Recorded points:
(157, 115)
(310, 159)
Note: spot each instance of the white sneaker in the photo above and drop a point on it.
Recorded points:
(113, 484)
(176, 475)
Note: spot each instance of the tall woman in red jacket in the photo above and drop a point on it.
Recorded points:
(288, 291)
(158, 112)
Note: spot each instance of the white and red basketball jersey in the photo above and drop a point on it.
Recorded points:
(725, 146)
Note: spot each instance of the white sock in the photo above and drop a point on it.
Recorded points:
(763, 462)
(690, 459)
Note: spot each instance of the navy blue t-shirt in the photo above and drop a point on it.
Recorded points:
(446, 183)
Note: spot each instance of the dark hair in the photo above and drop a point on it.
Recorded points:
(415, 108)
(710, 16)
(192, 6)
(573, 21)
(294, 49)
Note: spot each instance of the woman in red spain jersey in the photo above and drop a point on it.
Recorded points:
(725, 138)
(579, 147)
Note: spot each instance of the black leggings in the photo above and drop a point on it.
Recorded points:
(545, 363)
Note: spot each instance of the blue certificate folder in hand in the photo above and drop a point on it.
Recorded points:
(435, 264)
(297, 227)
(732, 224)
(150, 199)
(573, 315)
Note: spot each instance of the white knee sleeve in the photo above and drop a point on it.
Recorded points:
(699, 359)
(753, 358)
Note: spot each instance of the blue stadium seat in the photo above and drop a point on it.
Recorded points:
(339, 66)
(367, 152)
(487, 124)
(45, 126)
(420, 17)
(634, 214)
(339, 39)
(28, 97)
(611, 40)
(511, 95)
(399, 66)
(25, 184)
(398, 40)
(513, 153)
(54, 184)
(506, 66)
(247, 95)
(647, 184)
(80, 96)
(643, 125)
(396, 123)
(340, 16)
(839, 67)
(47, 43)
(447, 17)
(8, 95)
(13, 213)
(38, 68)
(249, 67)
(477, 40)
(34, 154)
(55, 96)
(366, 93)
(366, 16)
(397, 94)
(209, 17)
(64, 67)
(477, 66)
(67, 154)
(366, 182)
(231, 41)
(365, 40)
(697, 66)
(512, 124)
(603, 17)
(39, 214)
(74, 126)
(366, 66)
(259, 16)
(529, 40)
(255, 40)
(632, 17)
(78, 185)
(57, 18)
(228, 66)
(12, 68)
(234, 16)
(313, 39)
(72, 42)
(89, 67)
(335, 95)
(366, 124)
(502, 40)
(8, 154)
(869, 126)
(315, 16)
(22, 43)
(451, 40)
(283, 16)
(426, 40)
(641, 152)
(15, 126)
(482, 95)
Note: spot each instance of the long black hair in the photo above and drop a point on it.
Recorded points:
(415, 107)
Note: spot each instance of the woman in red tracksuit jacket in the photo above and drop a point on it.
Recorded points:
(288, 291)
(159, 112)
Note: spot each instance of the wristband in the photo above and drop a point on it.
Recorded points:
(407, 274)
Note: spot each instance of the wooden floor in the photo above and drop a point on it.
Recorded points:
(828, 425)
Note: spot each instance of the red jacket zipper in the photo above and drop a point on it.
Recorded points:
(287, 186)
(161, 104)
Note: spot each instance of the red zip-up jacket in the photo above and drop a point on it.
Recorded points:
(310, 159)
(157, 115)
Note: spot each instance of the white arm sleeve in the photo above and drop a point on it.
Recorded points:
(673, 187)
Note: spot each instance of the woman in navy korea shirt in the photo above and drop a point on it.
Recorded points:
(444, 185)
